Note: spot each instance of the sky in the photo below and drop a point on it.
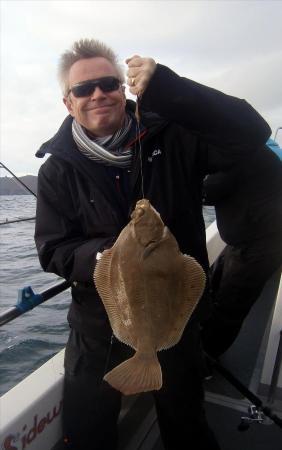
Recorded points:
(233, 46)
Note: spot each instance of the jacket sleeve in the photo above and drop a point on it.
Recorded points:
(217, 117)
(62, 247)
(221, 185)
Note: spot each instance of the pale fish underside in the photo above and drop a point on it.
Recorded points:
(149, 290)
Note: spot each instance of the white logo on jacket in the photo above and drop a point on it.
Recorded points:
(155, 152)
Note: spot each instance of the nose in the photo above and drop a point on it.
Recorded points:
(97, 93)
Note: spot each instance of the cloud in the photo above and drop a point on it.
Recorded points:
(233, 46)
(258, 80)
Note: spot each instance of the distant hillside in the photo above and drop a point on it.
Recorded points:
(10, 186)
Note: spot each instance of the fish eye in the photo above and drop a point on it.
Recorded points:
(140, 211)
(137, 213)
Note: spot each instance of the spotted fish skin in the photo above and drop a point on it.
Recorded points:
(149, 290)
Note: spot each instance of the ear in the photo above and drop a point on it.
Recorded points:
(67, 101)
(123, 90)
(123, 93)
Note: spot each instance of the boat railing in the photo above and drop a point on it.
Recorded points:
(271, 378)
(276, 132)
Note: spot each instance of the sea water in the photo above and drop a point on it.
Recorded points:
(28, 341)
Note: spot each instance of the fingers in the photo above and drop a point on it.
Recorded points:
(130, 62)
(139, 74)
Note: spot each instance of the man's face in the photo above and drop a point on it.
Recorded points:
(101, 113)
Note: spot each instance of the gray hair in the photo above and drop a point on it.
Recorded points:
(85, 48)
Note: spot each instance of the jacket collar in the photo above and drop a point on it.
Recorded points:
(63, 145)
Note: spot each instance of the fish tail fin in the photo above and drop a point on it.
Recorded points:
(137, 374)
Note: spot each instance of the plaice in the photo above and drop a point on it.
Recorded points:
(149, 290)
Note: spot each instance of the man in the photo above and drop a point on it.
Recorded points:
(101, 163)
(248, 206)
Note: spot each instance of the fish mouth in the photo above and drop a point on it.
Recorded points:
(143, 203)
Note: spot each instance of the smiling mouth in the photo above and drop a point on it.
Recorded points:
(100, 108)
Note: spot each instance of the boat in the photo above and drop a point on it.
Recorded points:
(30, 413)
(243, 400)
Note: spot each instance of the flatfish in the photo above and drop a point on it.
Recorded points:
(149, 290)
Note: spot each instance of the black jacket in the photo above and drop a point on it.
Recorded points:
(248, 199)
(81, 210)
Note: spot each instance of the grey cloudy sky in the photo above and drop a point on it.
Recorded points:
(234, 46)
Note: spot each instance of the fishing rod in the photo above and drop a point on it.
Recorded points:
(28, 300)
(16, 220)
(20, 181)
(256, 415)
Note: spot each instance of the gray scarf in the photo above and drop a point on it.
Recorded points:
(107, 150)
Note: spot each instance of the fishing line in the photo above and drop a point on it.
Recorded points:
(137, 115)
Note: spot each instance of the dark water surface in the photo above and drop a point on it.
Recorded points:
(28, 341)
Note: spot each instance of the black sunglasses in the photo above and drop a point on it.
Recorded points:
(86, 88)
